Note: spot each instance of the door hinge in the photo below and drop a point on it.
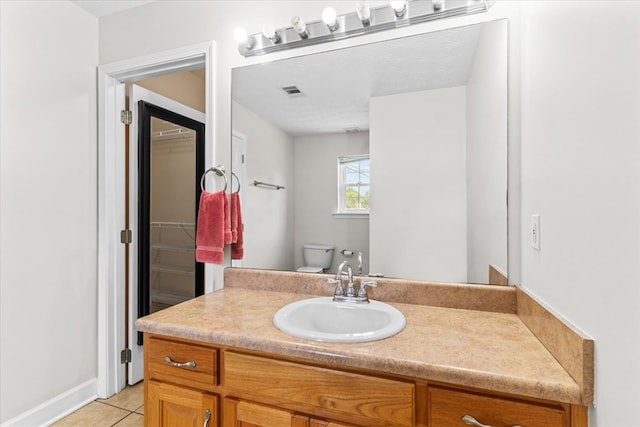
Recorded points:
(125, 237)
(126, 116)
(125, 356)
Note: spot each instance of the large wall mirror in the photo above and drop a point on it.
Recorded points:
(395, 151)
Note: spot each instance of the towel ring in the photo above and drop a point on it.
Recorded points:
(233, 175)
(219, 170)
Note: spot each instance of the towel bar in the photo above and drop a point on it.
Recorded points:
(265, 184)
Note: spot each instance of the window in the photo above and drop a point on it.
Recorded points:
(354, 187)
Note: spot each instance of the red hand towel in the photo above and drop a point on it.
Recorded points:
(228, 237)
(210, 228)
(234, 218)
(237, 248)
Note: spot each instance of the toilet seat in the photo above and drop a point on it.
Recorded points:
(309, 269)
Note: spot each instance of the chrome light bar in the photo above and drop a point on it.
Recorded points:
(351, 25)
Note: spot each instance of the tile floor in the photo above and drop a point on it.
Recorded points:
(125, 409)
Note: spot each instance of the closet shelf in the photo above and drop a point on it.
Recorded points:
(167, 247)
(177, 269)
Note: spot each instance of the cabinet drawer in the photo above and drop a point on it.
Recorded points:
(188, 364)
(446, 407)
(325, 392)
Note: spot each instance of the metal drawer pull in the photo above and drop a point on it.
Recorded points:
(470, 421)
(207, 417)
(170, 361)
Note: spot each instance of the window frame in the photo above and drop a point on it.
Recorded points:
(343, 160)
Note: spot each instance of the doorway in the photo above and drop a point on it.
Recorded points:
(111, 218)
(166, 161)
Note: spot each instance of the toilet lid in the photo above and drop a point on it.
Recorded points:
(309, 269)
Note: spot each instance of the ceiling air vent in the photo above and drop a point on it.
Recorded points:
(292, 91)
(353, 130)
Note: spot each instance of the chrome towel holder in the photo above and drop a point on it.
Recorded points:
(265, 184)
(233, 175)
(220, 171)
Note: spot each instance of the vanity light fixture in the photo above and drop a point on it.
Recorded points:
(364, 13)
(363, 20)
(300, 27)
(330, 18)
(243, 38)
(399, 7)
(270, 33)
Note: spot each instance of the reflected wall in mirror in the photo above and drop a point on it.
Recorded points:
(429, 110)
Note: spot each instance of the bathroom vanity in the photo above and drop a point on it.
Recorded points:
(219, 361)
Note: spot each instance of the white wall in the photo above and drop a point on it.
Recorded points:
(316, 197)
(268, 214)
(48, 301)
(187, 88)
(581, 173)
(487, 155)
(418, 140)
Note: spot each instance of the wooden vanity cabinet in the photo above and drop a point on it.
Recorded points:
(323, 392)
(320, 423)
(239, 413)
(236, 388)
(446, 407)
(167, 405)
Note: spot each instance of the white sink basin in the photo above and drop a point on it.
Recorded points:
(322, 319)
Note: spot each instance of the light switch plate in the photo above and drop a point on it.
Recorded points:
(535, 231)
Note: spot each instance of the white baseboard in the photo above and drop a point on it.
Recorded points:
(56, 408)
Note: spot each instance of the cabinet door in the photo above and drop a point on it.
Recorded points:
(172, 406)
(238, 413)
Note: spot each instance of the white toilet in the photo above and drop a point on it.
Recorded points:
(317, 258)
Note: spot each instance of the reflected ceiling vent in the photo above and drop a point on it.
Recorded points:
(292, 91)
(353, 130)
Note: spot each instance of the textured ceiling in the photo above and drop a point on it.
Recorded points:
(337, 85)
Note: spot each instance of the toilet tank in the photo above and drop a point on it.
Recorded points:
(318, 255)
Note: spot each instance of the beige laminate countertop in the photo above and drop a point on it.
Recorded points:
(488, 350)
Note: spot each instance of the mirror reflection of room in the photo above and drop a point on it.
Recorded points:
(429, 111)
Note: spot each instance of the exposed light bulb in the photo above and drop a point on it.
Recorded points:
(329, 17)
(364, 12)
(269, 32)
(399, 7)
(241, 37)
(299, 27)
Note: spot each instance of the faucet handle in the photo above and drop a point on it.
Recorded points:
(362, 292)
(339, 291)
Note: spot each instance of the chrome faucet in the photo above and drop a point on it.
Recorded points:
(350, 296)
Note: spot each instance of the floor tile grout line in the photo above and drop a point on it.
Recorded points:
(127, 416)
(120, 420)
(109, 404)
(118, 407)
